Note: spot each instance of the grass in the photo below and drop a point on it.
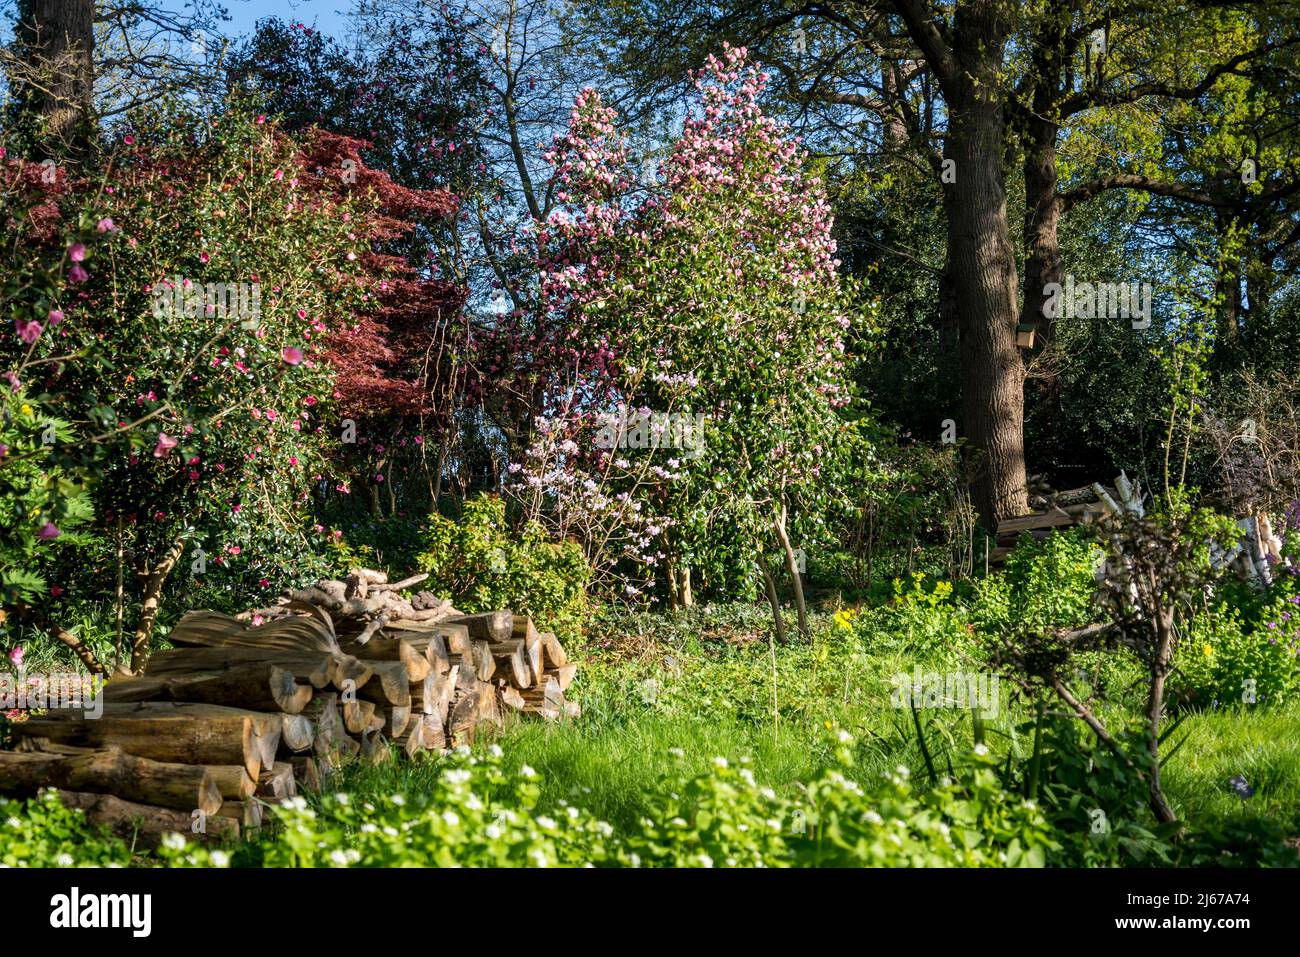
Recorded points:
(714, 698)
(1261, 745)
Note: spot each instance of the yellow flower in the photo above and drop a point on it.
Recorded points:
(828, 725)
(1207, 649)
(26, 409)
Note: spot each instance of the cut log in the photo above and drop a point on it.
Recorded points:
(111, 771)
(146, 824)
(563, 674)
(307, 773)
(490, 626)
(357, 715)
(311, 667)
(297, 732)
(166, 731)
(390, 683)
(408, 652)
(489, 707)
(523, 630)
(463, 719)
(512, 698)
(291, 633)
(258, 686)
(484, 664)
(278, 782)
(234, 783)
(553, 655)
(397, 717)
(374, 748)
(248, 813)
(546, 699)
(512, 662)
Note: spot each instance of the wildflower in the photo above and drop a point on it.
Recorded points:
(16, 655)
(77, 252)
(291, 355)
(105, 225)
(48, 532)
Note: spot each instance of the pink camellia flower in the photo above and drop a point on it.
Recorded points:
(105, 225)
(16, 655)
(77, 252)
(293, 460)
(55, 317)
(48, 532)
(233, 549)
(291, 354)
(129, 140)
(264, 582)
(261, 118)
(258, 620)
(279, 174)
(28, 331)
(204, 257)
(77, 274)
(165, 445)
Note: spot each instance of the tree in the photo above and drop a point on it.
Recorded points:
(713, 304)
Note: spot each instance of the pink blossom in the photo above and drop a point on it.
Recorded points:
(105, 225)
(16, 655)
(28, 330)
(164, 446)
(48, 532)
(77, 252)
(291, 355)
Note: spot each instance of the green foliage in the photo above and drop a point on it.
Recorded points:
(1049, 583)
(41, 832)
(481, 563)
(1224, 660)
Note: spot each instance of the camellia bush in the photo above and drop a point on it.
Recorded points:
(712, 309)
(201, 343)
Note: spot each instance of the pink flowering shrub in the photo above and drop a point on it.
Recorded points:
(718, 295)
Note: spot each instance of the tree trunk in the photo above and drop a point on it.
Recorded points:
(1160, 668)
(54, 79)
(983, 267)
(969, 63)
(769, 586)
(151, 597)
(792, 566)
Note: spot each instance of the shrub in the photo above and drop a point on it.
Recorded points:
(41, 832)
(1224, 660)
(1051, 581)
(482, 564)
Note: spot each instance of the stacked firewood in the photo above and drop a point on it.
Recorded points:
(243, 711)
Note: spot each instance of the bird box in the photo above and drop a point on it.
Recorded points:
(1025, 335)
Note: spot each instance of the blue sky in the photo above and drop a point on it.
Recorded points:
(330, 16)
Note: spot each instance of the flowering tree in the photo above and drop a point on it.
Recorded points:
(717, 295)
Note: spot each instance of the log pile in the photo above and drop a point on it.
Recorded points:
(1053, 511)
(244, 711)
